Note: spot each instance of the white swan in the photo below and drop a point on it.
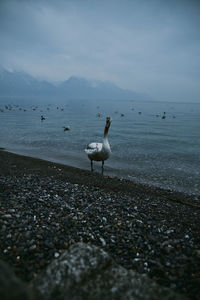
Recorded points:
(100, 151)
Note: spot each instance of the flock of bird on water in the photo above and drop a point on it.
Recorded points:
(96, 151)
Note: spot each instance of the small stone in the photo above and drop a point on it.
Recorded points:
(7, 216)
(104, 219)
(137, 259)
(170, 231)
(102, 241)
(33, 247)
(11, 210)
(56, 254)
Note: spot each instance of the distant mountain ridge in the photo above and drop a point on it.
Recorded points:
(22, 84)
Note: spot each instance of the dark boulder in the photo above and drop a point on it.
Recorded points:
(88, 272)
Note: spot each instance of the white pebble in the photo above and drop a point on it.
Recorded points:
(102, 241)
(56, 254)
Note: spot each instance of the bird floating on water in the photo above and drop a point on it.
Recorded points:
(100, 151)
(66, 128)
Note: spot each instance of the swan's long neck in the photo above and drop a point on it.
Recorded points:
(107, 127)
(105, 140)
(106, 131)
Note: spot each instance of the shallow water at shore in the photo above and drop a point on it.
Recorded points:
(145, 147)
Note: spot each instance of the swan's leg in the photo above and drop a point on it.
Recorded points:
(102, 167)
(91, 165)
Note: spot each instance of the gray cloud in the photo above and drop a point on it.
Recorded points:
(146, 46)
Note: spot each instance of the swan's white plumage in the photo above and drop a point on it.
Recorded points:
(94, 148)
(98, 151)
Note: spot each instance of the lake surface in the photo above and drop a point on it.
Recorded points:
(145, 147)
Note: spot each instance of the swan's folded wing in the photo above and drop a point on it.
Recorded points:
(93, 148)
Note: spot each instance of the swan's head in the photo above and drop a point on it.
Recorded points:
(108, 122)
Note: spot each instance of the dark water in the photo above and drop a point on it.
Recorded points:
(145, 147)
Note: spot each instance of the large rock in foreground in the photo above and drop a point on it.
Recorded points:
(87, 272)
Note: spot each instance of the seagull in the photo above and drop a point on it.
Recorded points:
(100, 151)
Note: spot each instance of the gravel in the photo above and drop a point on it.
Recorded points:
(42, 214)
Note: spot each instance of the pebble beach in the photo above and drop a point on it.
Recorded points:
(46, 207)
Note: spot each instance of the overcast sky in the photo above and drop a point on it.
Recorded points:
(149, 46)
